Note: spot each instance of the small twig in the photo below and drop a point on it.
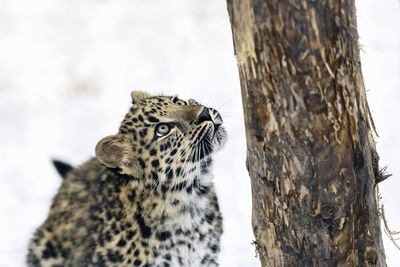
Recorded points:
(382, 175)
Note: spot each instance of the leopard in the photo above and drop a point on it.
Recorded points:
(147, 198)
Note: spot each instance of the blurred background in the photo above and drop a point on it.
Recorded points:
(67, 68)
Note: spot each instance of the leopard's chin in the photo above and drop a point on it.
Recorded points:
(219, 138)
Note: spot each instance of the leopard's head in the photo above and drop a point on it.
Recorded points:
(163, 140)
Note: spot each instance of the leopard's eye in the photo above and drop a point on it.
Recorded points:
(162, 129)
(180, 102)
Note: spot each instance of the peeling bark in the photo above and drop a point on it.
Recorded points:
(311, 154)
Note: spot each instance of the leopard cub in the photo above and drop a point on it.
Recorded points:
(146, 199)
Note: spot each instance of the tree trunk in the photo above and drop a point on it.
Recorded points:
(310, 150)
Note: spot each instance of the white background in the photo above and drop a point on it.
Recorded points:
(66, 71)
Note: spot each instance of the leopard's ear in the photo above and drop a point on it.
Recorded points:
(110, 151)
(137, 96)
(114, 152)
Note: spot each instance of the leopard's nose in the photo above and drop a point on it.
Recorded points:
(204, 116)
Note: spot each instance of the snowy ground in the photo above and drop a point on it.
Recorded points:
(67, 68)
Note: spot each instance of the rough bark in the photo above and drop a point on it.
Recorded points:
(311, 154)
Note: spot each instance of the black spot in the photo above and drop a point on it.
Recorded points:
(133, 133)
(121, 243)
(65, 253)
(164, 188)
(178, 231)
(166, 264)
(203, 190)
(201, 236)
(175, 202)
(153, 152)
(169, 173)
(181, 242)
(210, 217)
(114, 256)
(143, 133)
(153, 119)
(155, 163)
(144, 229)
(100, 259)
(178, 171)
(168, 161)
(136, 253)
(162, 236)
(173, 152)
(135, 120)
(141, 162)
(205, 259)
(140, 117)
(130, 234)
(49, 251)
(214, 248)
(167, 257)
(100, 240)
(137, 262)
(215, 204)
(189, 189)
(131, 196)
(154, 175)
(155, 253)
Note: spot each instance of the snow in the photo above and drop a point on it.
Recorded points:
(66, 71)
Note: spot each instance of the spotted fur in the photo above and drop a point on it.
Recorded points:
(147, 199)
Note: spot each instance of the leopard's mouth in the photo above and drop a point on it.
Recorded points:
(212, 141)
